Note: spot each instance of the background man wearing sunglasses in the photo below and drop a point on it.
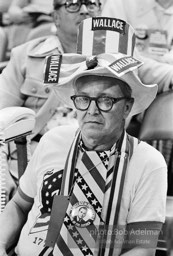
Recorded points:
(21, 82)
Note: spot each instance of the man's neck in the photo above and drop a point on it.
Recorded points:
(92, 144)
(68, 42)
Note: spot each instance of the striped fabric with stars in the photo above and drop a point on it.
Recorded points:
(85, 178)
(89, 186)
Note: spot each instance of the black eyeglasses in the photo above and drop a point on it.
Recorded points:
(75, 5)
(103, 103)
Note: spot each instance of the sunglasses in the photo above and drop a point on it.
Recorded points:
(75, 5)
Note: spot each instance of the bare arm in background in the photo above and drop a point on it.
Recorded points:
(12, 220)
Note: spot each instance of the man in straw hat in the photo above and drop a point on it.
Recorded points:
(27, 81)
(119, 180)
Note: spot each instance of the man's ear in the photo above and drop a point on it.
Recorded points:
(128, 106)
(55, 15)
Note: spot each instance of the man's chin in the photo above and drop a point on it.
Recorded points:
(92, 130)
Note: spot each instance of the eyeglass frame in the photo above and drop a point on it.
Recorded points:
(95, 99)
(57, 6)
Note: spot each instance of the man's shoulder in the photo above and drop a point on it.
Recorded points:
(31, 44)
(148, 156)
(146, 163)
(38, 46)
(63, 134)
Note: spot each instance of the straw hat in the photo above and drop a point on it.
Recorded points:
(105, 47)
(117, 65)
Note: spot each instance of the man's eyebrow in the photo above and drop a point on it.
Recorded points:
(81, 93)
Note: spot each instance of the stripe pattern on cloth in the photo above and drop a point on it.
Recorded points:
(90, 185)
(100, 40)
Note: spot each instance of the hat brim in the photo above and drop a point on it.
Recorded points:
(143, 94)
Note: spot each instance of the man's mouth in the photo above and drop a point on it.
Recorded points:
(93, 122)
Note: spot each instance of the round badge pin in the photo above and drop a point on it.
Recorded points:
(82, 214)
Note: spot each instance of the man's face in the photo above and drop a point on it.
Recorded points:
(82, 213)
(96, 125)
(67, 22)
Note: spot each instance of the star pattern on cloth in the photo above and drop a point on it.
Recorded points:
(73, 232)
(89, 194)
(51, 186)
(104, 156)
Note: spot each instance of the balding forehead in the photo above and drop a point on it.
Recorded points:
(124, 87)
(89, 78)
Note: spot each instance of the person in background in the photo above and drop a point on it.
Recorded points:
(123, 180)
(22, 81)
(27, 16)
(24, 20)
(152, 21)
(4, 21)
(145, 18)
(4, 16)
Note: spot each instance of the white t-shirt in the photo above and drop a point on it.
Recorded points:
(143, 199)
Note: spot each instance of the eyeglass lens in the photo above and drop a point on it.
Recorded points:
(75, 5)
(102, 103)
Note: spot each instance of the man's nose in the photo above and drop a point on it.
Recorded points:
(84, 9)
(93, 109)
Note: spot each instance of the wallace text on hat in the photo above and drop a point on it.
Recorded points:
(103, 23)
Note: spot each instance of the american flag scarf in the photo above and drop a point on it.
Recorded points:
(91, 182)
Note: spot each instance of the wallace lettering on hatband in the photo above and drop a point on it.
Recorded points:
(52, 69)
(103, 23)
